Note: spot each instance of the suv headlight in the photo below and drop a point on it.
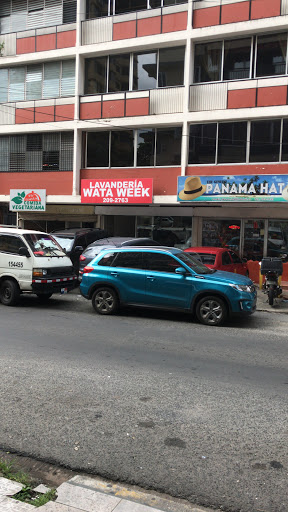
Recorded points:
(243, 287)
(39, 272)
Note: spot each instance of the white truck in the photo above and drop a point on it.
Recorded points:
(32, 262)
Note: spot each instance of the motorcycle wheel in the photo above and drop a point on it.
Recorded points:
(271, 296)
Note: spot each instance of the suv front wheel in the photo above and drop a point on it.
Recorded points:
(211, 310)
(105, 301)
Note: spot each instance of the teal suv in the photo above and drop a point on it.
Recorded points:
(166, 278)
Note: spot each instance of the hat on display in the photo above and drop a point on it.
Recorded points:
(193, 188)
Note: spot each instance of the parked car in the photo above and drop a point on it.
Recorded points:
(104, 243)
(221, 258)
(167, 278)
(75, 240)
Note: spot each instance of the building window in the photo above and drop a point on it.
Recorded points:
(101, 8)
(237, 57)
(128, 148)
(122, 148)
(149, 70)
(271, 55)
(284, 156)
(168, 231)
(146, 148)
(265, 141)
(208, 62)
(98, 149)
(232, 142)
(119, 73)
(37, 152)
(168, 146)
(171, 67)
(96, 75)
(202, 143)
(144, 71)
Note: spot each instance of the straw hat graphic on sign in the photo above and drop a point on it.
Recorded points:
(285, 193)
(193, 188)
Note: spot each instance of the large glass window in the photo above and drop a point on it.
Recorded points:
(119, 73)
(145, 147)
(277, 244)
(285, 141)
(265, 141)
(122, 148)
(145, 71)
(208, 61)
(171, 67)
(168, 231)
(271, 55)
(96, 8)
(122, 6)
(96, 75)
(232, 142)
(202, 143)
(98, 149)
(34, 82)
(16, 85)
(221, 233)
(237, 56)
(168, 146)
(253, 243)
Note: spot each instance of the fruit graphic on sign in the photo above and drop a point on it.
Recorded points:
(32, 196)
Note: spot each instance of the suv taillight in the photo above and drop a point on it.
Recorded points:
(82, 258)
(87, 270)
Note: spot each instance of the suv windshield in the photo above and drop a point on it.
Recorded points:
(64, 241)
(43, 245)
(194, 264)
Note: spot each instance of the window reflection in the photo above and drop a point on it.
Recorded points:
(237, 54)
(168, 231)
(221, 233)
(277, 244)
(168, 146)
(208, 62)
(171, 67)
(119, 73)
(265, 141)
(145, 71)
(145, 147)
(95, 75)
(253, 246)
(271, 55)
(122, 148)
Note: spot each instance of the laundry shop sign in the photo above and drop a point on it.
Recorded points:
(27, 200)
(255, 188)
(129, 191)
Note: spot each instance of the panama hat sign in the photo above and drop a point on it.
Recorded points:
(193, 188)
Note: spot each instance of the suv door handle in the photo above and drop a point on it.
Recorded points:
(115, 274)
(151, 278)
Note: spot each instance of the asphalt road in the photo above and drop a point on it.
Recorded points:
(150, 398)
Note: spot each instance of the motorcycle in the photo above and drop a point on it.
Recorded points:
(272, 269)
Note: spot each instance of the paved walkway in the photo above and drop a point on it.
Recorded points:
(88, 494)
(280, 305)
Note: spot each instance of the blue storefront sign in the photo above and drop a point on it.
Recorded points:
(256, 188)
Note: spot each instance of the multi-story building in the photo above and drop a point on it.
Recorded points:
(97, 95)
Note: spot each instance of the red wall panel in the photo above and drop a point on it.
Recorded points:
(265, 8)
(232, 13)
(270, 96)
(149, 26)
(44, 114)
(174, 22)
(25, 45)
(206, 17)
(55, 183)
(24, 115)
(45, 42)
(66, 39)
(164, 178)
(137, 107)
(125, 30)
(242, 98)
(64, 113)
(113, 108)
(90, 110)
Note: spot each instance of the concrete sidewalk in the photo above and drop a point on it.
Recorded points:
(280, 305)
(88, 494)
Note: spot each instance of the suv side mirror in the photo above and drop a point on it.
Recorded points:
(23, 251)
(180, 270)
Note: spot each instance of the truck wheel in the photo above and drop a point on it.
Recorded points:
(105, 301)
(44, 296)
(211, 311)
(9, 293)
(271, 296)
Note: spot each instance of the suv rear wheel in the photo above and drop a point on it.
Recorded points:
(211, 310)
(9, 293)
(105, 301)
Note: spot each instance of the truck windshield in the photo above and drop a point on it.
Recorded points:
(43, 245)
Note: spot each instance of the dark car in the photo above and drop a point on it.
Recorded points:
(113, 241)
(75, 240)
